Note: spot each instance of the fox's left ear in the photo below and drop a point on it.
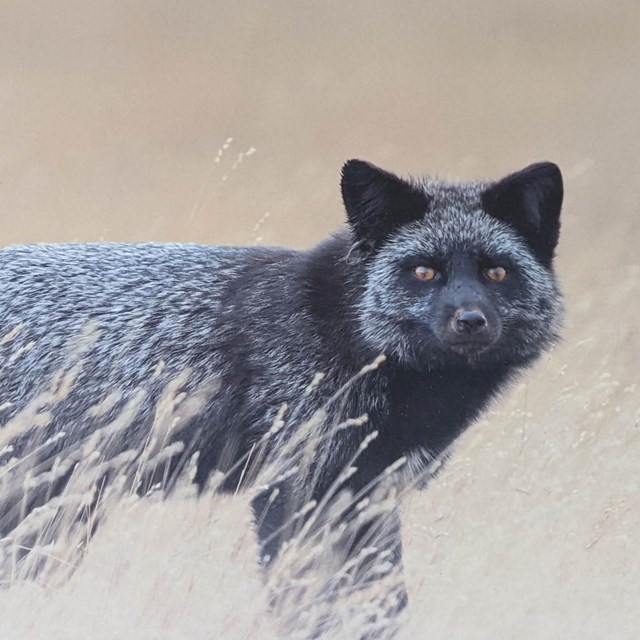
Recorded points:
(530, 200)
(378, 202)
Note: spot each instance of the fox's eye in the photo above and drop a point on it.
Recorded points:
(425, 273)
(497, 274)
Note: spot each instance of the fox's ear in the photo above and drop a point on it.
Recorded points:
(530, 201)
(378, 202)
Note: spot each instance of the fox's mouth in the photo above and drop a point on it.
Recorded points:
(469, 347)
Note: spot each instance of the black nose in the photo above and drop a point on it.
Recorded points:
(469, 320)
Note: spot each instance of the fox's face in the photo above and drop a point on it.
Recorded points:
(456, 273)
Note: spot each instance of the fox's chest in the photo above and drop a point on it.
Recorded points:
(431, 409)
(425, 412)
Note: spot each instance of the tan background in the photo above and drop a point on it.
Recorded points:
(112, 116)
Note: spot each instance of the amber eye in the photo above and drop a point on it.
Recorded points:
(424, 273)
(497, 274)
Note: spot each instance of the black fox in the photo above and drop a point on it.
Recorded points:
(416, 314)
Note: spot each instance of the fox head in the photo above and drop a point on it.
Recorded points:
(456, 272)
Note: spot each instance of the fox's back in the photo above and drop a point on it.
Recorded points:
(119, 310)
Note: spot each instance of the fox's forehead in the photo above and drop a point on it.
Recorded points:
(446, 195)
(449, 229)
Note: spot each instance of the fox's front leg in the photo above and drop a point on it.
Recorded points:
(272, 511)
(330, 575)
(378, 577)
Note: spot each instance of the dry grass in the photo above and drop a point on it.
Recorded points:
(312, 584)
(151, 573)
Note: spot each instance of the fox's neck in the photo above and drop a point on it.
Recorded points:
(332, 289)
(430, 409)
(418, 415)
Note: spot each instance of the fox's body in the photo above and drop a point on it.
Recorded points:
(248, 328)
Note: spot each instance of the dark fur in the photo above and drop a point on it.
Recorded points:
(253, 325)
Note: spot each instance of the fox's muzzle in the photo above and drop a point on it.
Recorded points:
(469, 330)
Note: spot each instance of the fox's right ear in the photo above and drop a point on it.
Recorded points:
(530, 201)
(378, 202)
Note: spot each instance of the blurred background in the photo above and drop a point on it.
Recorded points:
(227, 122)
